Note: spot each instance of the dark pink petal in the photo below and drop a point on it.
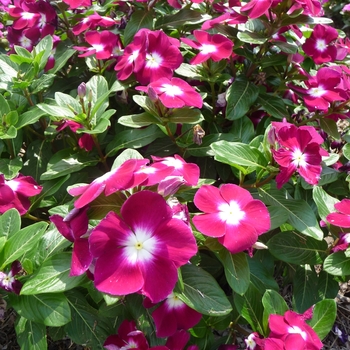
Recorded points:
(140, 208)
(279, 328)
(77, 191)
(7, 198)
(178, 340)
(160, 276)
(24, 185)
(240, 195)
(257, 212)
(294, 342)
(284, 175)
(208, 199)
(343, 206)
(165, 321)
(115, 274)
(256, 8)
(273, 344)
(210, 224)
(311, 173)
(62, 227)
(338, 219)
(239, 237)
(92, 192)
(81, 257)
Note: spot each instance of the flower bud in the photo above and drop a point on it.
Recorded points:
(82, 90)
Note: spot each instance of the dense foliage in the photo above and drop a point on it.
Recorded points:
(167, 167)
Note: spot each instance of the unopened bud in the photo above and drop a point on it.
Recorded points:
(82, 90)
(198, 134)
(152, 94)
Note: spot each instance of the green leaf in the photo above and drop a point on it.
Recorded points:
(29, 117)
(243, 130)
(4, 106)
(346, 151)
(236, 269)
(323, 317)
(309, 287)
(239, 155)
(241, 95)
(7, 67)
(53, 276)
(64, 100)
(64, 162)
(337, 264)
(30, 335)
(124, 156)
(330, 127)
(87, 326)
(56, 111)
(10, 167)
(274, 304)
(251, 38)
(273, 105)
(139, 19)
(292, 247)
(133, 139)
(250, 307)
(48, 309)
(138, 120)
(324, 202)
(10, 223)
(21, 242)
(186, 116)
(301, 216)
(278, 216)
(202, 293)
(62, 55)
(41, 84)
(10, 133)
(180, 18)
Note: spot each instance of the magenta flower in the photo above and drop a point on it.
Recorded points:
(73, 4)
(297, 152)
(232, 215)
(8, 280)
(141, 250)
(121, 178)
(256, 8)
(319, 46)
(216, 46)
(173, 315)
(342, 217)
(103, 44)
(15, 193)
(74, 227)
(92, 22)
(294, 332)
(128, 337)
(174, 93)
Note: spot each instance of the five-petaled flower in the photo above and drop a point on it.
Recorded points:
(141, 250)
(15, 193)
(8, 280)
(232, 215)
(216, 46)
(299, 152)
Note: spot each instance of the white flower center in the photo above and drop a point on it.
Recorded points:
(27, 15)
(132, 58)
(42, 20)
(176, 163)
(140, 246)
(297, 330)
(251, 344)
(299, 159)
(317, 91)
(13, 185)
(153, 60)
(208, 48)
(321, 45)
(174, 302)
(98, 47)
(25, 42)
(231, 213)
(7, 280)
(171, 90)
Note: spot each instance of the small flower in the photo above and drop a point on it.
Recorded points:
(232, 215)
(174, 93)
(342, 217)
(256, 8)
(141, 250)
(216, 47)
(15, 193)
(8, 281)
(292, 329)
(299, 153)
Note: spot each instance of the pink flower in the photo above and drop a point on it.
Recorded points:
(141, 250)
(8, 280)
(256, 8)
(342, 217)
(128, 337)
(294, 332)
(232, 215)
(92, 22)
(174, 93)
(74, 227)
(121, 178)
(73, 4)
(297, 152)
(15, 193)
(321, 89)
(216, 46)
(319, 46)
(102, 44)
(173, 315)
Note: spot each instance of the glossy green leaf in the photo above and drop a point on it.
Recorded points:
(139, 19)
(323, 317)
(10, 223)
(56, 111)
(138, 120)
(21, 242)
(330, 127)
(185, 115)
(236, 269)
(30, 117)
(324, 202)
(337, 264)
(278, 216)
(241, 95)
(273, 105)
(180, 18)
(250, 307)
(48, 309)
(295, 248)
(30, 335)
(53, 276)
(202, 293)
